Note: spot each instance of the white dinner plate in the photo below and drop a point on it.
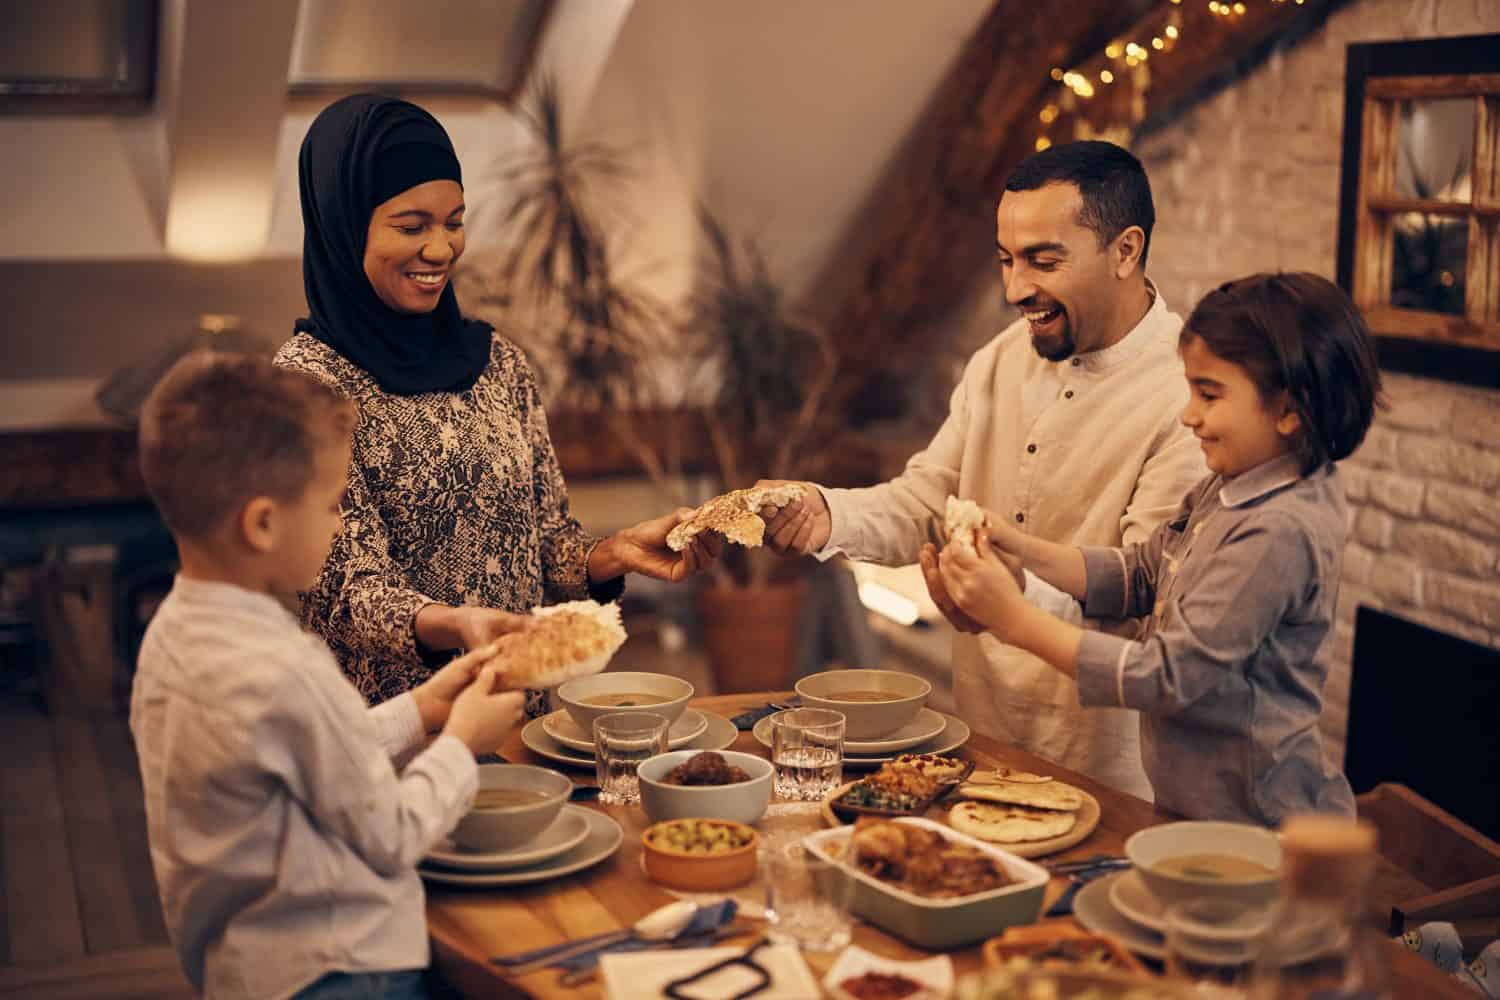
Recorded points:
(954, 734)
(1094, 908)
(565, 729)
(718, 734)
(1129, 895)
(603, 839)
(565, 833)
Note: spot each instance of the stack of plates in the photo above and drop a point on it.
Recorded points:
(929, 732)
(577, 839)
(1121, 906)
(558, 737)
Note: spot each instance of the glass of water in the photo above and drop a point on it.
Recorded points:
(807, 899)
(807, 750)
(1214, 940)
(621, 741)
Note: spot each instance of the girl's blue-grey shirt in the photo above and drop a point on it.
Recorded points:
(1239, 590)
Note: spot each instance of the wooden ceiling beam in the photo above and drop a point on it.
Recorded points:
(932, 219)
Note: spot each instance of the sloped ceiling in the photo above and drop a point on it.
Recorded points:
(779, 113)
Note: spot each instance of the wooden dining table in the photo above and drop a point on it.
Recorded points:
(467, 926)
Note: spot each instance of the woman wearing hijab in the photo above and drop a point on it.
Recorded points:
(456, 519)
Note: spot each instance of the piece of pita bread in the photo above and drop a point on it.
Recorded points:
(733, 515)
(569, 640)
(1000, 773)
(934, 766)
(962, 520)
(1046, 795)
(1005, 824)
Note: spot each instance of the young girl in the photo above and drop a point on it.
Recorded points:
(1238, 589)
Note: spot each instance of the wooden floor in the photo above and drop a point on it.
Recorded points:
(81, 917)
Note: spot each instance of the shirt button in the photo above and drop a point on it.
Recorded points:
(1031, 449)
(1068, 394)
(1020, 518)
(1077, 362)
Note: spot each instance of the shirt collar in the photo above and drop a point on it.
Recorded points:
(1267, 477)
(230, 597)
(1134, 342)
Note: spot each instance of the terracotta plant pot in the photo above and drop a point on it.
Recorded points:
(750, 634)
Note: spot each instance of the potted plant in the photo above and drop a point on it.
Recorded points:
(773, 369)
(595, 333)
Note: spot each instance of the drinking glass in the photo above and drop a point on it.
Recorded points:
(621, 741)
(807, 750)
(807, 899)
(1214, 940)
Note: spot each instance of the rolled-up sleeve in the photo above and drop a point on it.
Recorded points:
(1253, 580)
(888, 523)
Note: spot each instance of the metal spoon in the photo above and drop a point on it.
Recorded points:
(661, 924)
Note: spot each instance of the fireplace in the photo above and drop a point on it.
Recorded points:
(1424, 710)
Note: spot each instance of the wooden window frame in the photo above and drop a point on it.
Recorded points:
(1377, 78)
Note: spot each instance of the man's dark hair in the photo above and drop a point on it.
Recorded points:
(1116, 194)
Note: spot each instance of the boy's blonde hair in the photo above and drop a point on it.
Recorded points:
(221, 429)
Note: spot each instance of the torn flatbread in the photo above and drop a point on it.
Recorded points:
(734, 515)
(963, 521)
(569, 640)
(1045, 795)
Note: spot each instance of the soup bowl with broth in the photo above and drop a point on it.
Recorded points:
(874, 703)
(1205, 859)
(514, 804)
(587, 698)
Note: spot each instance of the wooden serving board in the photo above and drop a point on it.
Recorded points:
(1088, 821)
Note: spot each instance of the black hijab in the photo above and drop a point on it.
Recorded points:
(353, 151)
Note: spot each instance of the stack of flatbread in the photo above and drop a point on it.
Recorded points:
(569, 640)
(1007, 806)
(733, 515)
(962, 521)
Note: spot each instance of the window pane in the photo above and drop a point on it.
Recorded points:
(1435, 148)
(1428, 257)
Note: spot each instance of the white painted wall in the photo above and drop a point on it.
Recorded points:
(781, 113)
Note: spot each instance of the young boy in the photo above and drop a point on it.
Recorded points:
(284, 841)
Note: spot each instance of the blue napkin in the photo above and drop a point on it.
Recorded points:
(708, 919)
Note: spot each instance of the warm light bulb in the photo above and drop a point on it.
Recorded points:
(1042, 142)
(1171, 31)
(1057, 74)
(1239, 8)
(1049, 114)
(1113, 50)
(1106, 76)
(1158, 44)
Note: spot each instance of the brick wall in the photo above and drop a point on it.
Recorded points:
(1249, 181)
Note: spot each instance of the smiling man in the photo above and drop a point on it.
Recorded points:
(1066, 424)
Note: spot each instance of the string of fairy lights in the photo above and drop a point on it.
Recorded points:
(1120, 75)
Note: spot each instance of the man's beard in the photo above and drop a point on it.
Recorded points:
(1055, 347)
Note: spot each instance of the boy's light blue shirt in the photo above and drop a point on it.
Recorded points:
(283, 840)
(1240, 587)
